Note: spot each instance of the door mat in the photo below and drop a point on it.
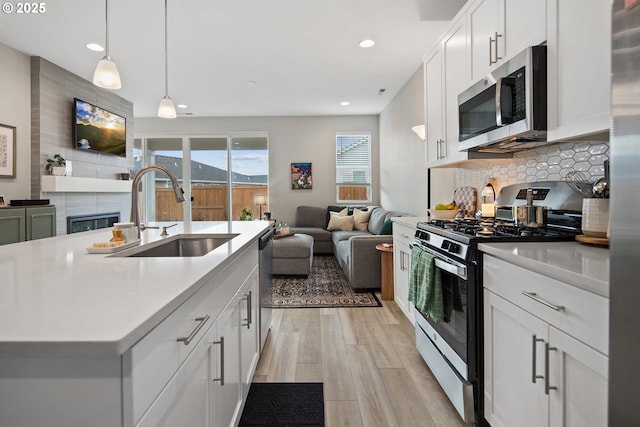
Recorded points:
(326, 286)
(284, 404)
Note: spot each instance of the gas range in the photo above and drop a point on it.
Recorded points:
(459, 238)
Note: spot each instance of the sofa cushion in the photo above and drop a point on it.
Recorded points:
(361, 219)
(338, 222)
(339, 236)
(311, 216)
(387, 228)
(377, 219)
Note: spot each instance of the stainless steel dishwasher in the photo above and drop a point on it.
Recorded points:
(266, 271)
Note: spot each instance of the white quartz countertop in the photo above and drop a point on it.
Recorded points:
(577, 264)
(410, 221)
(56, 297)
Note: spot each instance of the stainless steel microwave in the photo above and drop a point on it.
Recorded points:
(507, 110)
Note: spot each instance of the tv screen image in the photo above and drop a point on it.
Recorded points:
(100, 130)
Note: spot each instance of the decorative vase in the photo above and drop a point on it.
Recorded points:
(58, 170)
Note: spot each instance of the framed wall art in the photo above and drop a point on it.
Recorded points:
(7, 151)
(301, 176)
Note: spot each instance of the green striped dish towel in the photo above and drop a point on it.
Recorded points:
(425, 286)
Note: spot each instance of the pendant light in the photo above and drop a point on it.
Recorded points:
(106, 74)
(166, 110)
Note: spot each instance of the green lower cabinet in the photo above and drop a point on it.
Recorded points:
(12, 226)
(20, 224)
(41, 222)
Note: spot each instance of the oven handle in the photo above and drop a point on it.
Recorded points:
(453, 268)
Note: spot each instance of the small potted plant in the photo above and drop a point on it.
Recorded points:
(246, 215)
(57, 165)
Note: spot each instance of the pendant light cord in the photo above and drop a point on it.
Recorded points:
(166, 52)
(106, 24)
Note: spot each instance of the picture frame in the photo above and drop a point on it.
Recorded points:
(301, 178)
(7, 151)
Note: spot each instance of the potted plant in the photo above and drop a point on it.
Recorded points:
(57, 165)
(246, 215)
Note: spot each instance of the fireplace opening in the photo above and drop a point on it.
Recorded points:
(78, 223)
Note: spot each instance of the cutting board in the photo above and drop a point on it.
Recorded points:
(466, 199)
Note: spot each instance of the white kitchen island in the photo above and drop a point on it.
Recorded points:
(92, 339)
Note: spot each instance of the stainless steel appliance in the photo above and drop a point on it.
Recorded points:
(453, 348)
(506, 111)
(265, 249)
(624, 155)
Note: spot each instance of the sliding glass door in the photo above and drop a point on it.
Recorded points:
(201, 164)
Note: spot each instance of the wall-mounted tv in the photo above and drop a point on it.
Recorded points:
(97, 129)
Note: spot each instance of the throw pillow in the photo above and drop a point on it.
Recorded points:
(340, 223)
(361, 219)
(387, 227)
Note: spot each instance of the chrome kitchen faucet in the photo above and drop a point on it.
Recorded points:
(135, 212)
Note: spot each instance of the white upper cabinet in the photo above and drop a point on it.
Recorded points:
(579, 68)
(500, 29)
(446, 75)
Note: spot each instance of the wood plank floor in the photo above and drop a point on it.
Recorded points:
(366, 357)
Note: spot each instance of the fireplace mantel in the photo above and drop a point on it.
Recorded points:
(75, 184)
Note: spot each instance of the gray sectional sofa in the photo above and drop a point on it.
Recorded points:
(355, 250)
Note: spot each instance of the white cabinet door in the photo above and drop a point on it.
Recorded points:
(456, 79)
(524, 25)
(434, 106)
(484, 31)
(401, 268)
(185, 400)
(249, 344)
(579, 66)
(514, 354)
(227, 392)
(580, 375)
(500, 29)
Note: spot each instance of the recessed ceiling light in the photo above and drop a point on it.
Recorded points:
(344, 103)
(367, 43)
(251, 82)
(181, 106)
(95, 47)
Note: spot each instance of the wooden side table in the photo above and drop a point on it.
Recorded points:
(386, 275)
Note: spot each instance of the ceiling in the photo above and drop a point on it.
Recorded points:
(242, 57)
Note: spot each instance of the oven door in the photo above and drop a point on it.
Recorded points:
(449, 347)
(454, 330)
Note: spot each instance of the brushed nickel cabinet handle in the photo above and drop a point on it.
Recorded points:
(547, 387)
(496, 43)
(247, 297)
(534, 341)
(491, 61)
(221, 379)
(201, 321)
(534, 297)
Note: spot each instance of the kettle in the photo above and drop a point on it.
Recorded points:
(529, 215)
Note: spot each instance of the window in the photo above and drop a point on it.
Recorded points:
(353, 168)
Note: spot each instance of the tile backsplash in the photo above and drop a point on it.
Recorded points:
(548, 163)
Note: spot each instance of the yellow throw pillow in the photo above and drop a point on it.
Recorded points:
(340, 223)
(361, 219)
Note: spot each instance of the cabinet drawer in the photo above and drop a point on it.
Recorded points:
(156, 357)
(583, 315)
(402, 234)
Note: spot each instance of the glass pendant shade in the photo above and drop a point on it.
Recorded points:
(420, 131)
(167, 110)
(106, 74)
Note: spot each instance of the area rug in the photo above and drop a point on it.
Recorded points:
(284, 404)
(326, 286)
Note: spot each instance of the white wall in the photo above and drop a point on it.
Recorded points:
(402, 154)
(15, 110)
(291, 139)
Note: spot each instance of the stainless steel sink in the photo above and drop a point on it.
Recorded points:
(181, 245)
